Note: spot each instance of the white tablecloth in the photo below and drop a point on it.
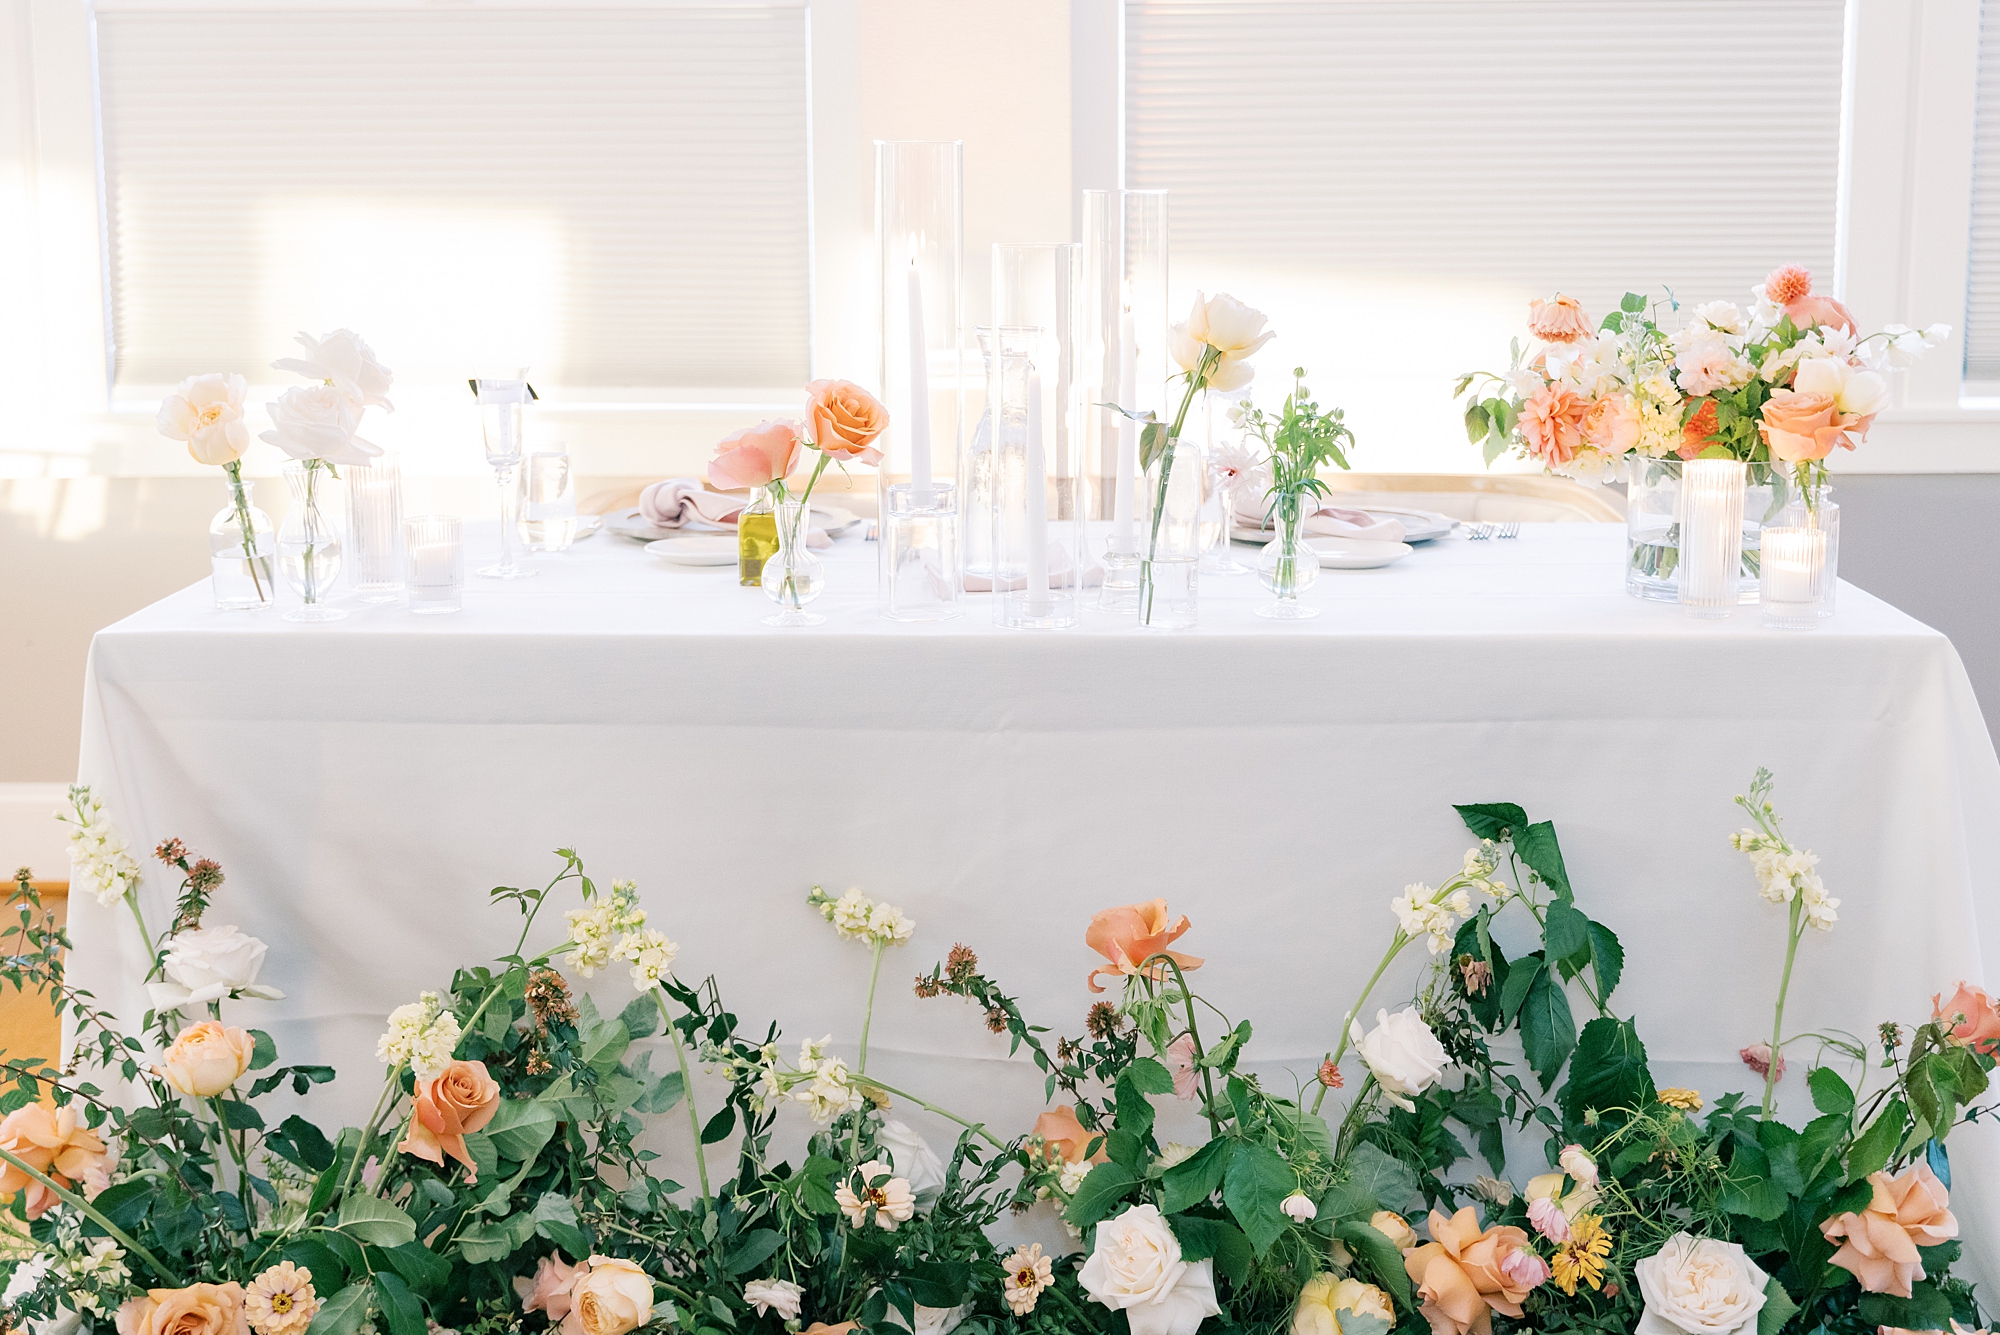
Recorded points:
(365, 783)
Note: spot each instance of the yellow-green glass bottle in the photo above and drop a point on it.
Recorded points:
(756, 538)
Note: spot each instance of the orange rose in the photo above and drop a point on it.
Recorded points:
(844, 419)
(1980, 1029)
(1879, 1245)
(206, 1059)
(1558, 321)
(1130, 935)
(1799, 425)
(1462, 1275)
(459, 1099)
(198, 1309)
(55, 1142)
(1066, 1137)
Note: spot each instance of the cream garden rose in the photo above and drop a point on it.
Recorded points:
(345, 359)
(206, 964)
(1233, 329)
(613, 1297)
(1699, 1286)
(319, 422)
(206, 1059)
(1402, 1053)
(1136, 1268)
(910, 1157)
(206, 411)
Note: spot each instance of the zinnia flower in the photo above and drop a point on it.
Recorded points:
(1581, 1259)
(1028, 1273)
(281, 1301)
(889, 1197)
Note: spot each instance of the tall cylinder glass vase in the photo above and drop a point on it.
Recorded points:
(309, 542)
(794, 577)
(1288, 566)
(1036, 395)
(241, 544)
(1175, 483)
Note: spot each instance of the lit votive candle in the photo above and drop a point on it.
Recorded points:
(437, 563)
(1792, 571)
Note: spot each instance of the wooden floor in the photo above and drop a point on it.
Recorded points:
(28, 1024)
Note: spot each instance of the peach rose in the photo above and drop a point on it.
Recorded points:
(1800, 426)
(1611, 425)
(458, 1099)
(1464, 1274)
(1552, 421)
(549, 1291)
(1694, 436)
(1979, 1030)
(1066, 1137)
(844, 419)
(1395, 1228)
(55, 1142)
(206, 1059)
(1131, 934)
(1559, 321)
(1879, 1245)
(613, 1297)
(198, 1309)
(756, 456)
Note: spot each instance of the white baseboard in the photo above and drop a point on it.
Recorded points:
(30, 836)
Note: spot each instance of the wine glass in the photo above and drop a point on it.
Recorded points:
(503, 410)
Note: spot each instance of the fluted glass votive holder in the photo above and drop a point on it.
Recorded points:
(436, 545)
(1711, 555)
(1792, 582)
(375, 529)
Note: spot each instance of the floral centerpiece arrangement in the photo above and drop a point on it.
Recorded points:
(500, 1183)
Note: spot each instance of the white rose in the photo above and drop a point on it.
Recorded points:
(940, 1320)
(1699, 1286)
(348, 362)
(318, 422)
(910, 1158)
(1136, 1267)
(206, 411)
(207, 964)
(776, 1295)
(1233, 329)
(1403, 1054)
(1851, 389)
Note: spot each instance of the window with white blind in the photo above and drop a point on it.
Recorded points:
(1393, 180)
(1982, 297)
(616, 197)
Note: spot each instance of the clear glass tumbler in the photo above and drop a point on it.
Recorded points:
(548, 509)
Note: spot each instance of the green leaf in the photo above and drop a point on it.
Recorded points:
(126, 1204)
(555, 1219)
(1567, 934)
(1194, 1179)
(1388, 1179)
(1307, 1129)
(1872, 1148)
(520, 1127)
(940, 1283)
(404, 1314)
(1152, 443)
(375, 1222)
(343, 1312)
(752, 1249)
(1548, 1030)
(1608, 1070)
(1203, 1238)
(308, 1254)
(1607, 959)
(1103, 1188)
(1135, 1113)
(642, 1017)
(303, 1143)
(663, 1094)
(1492, 820)
(263, 1050)
(1632, 303)
(1522, 976)
(493, 1239)
(1932, 1088)
(1830, 1093)
(421, 1268)
(1778, 1308)
(1747, 1188)
(720, 1125)
(1925, 1309)
(1477, 424)
(1538, 848)
(1381, 1255)
(1258, 1179)
(604, 1045)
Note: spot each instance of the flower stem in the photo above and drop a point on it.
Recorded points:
(77, 1203)
(1778, 1020)
(687, 1091)
(1194, 1036)
(235, 470)
(1347, 1024)
(392, 1085)
(1197, 380)
(868, 1016)
(977, 1128)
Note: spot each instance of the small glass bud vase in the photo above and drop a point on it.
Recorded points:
(756, 537)
(1288, 567)
(242, 542)
(1172, 536)
(794, 577)
(309, 543)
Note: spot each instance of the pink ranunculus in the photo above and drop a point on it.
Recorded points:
(756, 456)
(1561, 320)
(1552, 421)
(1758, 1058)
(1611, 424)
(1180, 1061)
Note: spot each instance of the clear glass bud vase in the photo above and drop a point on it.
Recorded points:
(1288, 567)
(241, 543)
(309, 543)
(1168, 572)
(794, 577)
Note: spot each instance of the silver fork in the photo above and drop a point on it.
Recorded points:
(1508, 531)
(1478, 532)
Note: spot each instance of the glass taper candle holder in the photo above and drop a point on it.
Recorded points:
(1035, 389)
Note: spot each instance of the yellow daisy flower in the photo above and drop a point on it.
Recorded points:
(1581, 1259)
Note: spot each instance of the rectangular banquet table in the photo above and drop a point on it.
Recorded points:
(365, 784)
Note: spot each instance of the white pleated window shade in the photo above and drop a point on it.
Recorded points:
(1982, 298)
(616, 197)
(1392, 180)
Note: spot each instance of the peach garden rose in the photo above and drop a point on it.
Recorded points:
(1464, 1274)
(55, 1142)
(1131, 934)
(206, 1059)
(1799, 426)
(843, 420)
(459, 1099)
(198, 1309)
(613, 1297)
(1976, 1020)
(755, 456)
(1878, 1245)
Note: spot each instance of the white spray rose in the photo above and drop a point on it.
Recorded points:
(1403, 1054)
(774, 1295)
(1136, 1267)
(1852, 389)
(348, 362)
(940, 1320)
(206, 411)
(207, 964)
(319, 422)
(1699, 1286)
(910, 1157)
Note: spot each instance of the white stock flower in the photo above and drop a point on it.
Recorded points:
(774, 1295)
(206, 411)
(1072, 1176)
(887, 925)
(597, 932)
(98, 858)
(651, 954)
(850, 915)
(856, 917)
(1784, 875)
(205, 964)
(319, 422)
(1419, 912)
(421, 1035)
(1699, 1286)
(830, 1091)
(910, 1157)
(1136, 1267)
(343, 358)
(1402, 1053)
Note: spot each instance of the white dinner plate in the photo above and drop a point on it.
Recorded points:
(1418, 526)
(630, 523)
(695, 549)
(1357, 553)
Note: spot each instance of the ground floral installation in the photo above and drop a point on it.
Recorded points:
(500, 1184)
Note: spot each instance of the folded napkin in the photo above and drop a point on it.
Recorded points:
(1061, 575)
(682, 502)
(1329, 521)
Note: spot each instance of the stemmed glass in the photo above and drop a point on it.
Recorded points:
(503, 410)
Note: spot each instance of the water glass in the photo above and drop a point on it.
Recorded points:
(436, 545)
(548, 508)
(375, 529)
